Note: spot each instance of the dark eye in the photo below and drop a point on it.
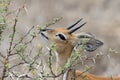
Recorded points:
(61, 36)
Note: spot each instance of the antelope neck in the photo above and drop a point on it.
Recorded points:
(63, 55)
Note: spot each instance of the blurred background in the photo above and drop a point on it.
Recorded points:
(103, 21)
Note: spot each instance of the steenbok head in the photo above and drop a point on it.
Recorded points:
(66, 38)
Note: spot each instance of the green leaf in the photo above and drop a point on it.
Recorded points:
(86, 67)
(55, 20)
(112, 51)
(37, 79)
(33, 34)
(52, 47)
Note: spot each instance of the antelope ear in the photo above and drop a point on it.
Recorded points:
(93, 44)
(89, 42)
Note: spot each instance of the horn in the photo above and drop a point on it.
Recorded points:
(45, 29)
(77, 28)
(74, 24)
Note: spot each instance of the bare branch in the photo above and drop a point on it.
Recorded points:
(2, 55)
(6, 62)
(23, 37)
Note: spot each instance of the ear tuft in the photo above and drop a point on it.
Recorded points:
(84, 35)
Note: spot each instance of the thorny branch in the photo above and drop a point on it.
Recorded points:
(21, 76)
(2, 55)
(6, 62)
(50, 62)
(23, 37)
(14, 28)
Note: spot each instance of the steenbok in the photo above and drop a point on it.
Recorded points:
(65, 41)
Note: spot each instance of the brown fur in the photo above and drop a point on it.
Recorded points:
(86, 76)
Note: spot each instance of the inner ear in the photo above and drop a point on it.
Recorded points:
(93, 44)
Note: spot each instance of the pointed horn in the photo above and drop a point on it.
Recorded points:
(74, 24)
(45, 29)
(77, 28)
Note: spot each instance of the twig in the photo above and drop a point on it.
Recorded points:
(86, 70)
(11, 42)
(2, 55)
(23, 37)
(21, 76)
(14, 28)
(50, 62)
(17, 65)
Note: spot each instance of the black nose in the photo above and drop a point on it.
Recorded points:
(43, 29)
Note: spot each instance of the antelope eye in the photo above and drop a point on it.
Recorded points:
(61, 36)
